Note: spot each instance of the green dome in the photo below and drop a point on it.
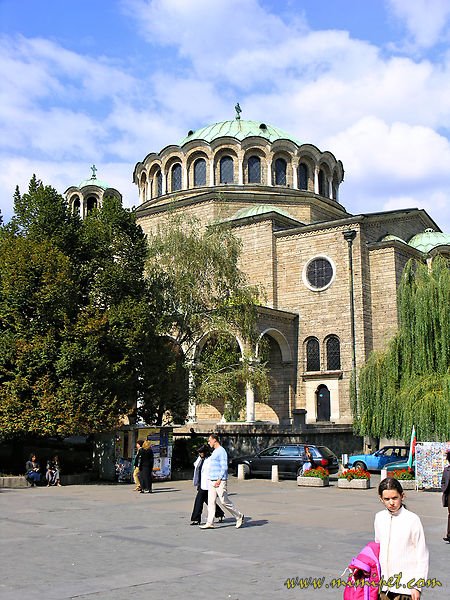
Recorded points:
(94, 181)
(259, 209)
(429, 239)
(391, 237)
(239, 129)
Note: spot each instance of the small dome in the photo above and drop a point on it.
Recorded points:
(94, 181)
(429, 239)
(259, 209)
(390, 237)
(239, 129)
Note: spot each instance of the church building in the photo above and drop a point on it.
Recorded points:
(330, 277)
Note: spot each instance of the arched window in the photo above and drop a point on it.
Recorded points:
(280, 171)
(333, 347)
(312, 355)
(159, 183)
(254, 169)
(302, 176)
(176, 178)
(226, 170)
(200, 172)
(322, 183)
(91, 203)
(76, 205)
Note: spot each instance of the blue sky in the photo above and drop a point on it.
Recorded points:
(108, 81)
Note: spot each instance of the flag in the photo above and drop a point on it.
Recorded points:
(412, 448)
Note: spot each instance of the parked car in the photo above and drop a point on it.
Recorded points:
(289, 458)
(401, 465)
(379, 459)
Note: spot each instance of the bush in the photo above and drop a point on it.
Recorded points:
(402, 474)
(350, 474)
(317, 472)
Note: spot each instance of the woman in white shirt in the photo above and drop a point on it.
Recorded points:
(403, 551)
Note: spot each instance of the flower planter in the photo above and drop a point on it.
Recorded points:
(354, 484)
(408, 484)
(313, 481)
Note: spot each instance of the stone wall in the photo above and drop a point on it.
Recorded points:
(239, 440)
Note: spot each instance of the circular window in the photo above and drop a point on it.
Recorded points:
(318, 273)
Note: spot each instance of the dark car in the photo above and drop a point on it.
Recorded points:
(379, 459)
(289, 458)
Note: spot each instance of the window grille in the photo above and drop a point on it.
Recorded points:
(226, 170)
(200, 172)
(254, 169)
(333, 354)
(312, 355)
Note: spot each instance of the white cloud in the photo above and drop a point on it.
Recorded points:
(383, 115)
(427, 21)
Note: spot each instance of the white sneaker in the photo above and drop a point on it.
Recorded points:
(206, 526)
(240, 521)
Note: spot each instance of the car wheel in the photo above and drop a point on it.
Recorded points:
(359, 465)
(299, 471)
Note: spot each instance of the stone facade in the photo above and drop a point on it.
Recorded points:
(330, 278)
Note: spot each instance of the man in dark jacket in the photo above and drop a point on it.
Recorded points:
(146, 467)
(445, 487)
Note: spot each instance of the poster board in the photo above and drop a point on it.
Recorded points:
(161, 440)
(430, 462)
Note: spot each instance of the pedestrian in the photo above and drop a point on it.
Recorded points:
(32, 470)
(57, 466)
(146, 460)
(403, 551)
(202, 483)
(218, 475)
(136, 479)
(445, 487)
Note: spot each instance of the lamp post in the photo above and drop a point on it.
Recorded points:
(349, 236)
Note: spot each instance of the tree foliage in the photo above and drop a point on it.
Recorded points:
(205, 293)
(409, 383)
(77, 316)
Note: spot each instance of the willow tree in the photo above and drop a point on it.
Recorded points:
(409, 383)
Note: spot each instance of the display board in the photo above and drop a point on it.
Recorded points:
(430, 462)
(161, 439)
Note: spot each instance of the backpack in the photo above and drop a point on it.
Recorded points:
(365, 574)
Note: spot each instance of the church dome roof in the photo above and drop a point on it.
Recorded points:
(94, 181)
(429, 239)
(259, 209)
(239, 129)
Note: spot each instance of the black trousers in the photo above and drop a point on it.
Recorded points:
(200, 499)
(145, 475)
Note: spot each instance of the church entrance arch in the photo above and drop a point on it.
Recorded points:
(323, 403)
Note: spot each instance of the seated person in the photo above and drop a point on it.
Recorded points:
(51, 473)
(32, 468)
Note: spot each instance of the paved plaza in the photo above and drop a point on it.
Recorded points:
(106, 542)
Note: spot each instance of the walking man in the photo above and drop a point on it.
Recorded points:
(218, 474)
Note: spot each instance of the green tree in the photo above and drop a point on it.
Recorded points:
(409, 383)
(205, 292)
(77, 316)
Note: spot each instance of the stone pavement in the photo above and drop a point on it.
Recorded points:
(106, 542)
